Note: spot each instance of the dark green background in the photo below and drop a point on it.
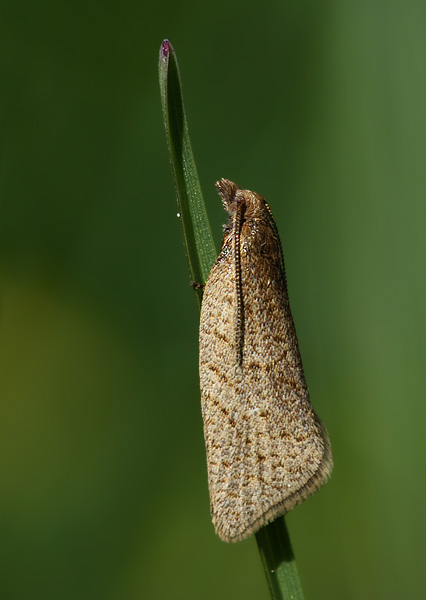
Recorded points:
(319, 106)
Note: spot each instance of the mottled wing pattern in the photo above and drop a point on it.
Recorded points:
(266, 449)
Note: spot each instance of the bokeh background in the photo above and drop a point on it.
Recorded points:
(320, 107)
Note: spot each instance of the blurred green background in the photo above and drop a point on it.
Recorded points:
(320, 107)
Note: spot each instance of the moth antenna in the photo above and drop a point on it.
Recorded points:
(277, 237)
(239, 324)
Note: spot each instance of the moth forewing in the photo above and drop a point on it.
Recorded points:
(266, 449)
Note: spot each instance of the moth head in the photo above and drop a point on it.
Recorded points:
(234, 198)
(227, 191)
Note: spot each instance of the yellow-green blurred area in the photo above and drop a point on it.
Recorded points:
(320, 107)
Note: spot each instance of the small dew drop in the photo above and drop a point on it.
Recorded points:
(178, 215)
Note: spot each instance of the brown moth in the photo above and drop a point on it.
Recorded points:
(266, 449)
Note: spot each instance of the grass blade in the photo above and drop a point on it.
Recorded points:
(200, 248)
(273, 540)
(278, 561)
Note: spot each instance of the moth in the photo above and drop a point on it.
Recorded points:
(267, 450)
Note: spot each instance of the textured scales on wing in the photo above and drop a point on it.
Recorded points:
(266, 449)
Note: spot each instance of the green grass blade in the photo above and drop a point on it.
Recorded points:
(273, 540)
(198, 238)
(279, 562)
